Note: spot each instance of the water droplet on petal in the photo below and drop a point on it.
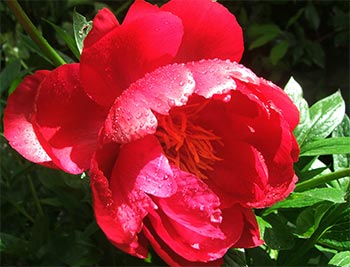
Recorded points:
(227, 98)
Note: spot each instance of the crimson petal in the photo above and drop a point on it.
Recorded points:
(128, 52)
(66, 120)
(18, 128)
(210, 31)
(190, 221)
(131, 115)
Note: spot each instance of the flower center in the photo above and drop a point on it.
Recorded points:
(186, 144)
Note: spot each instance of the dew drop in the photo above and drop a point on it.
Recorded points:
(216, 218)
(195, 245)
(227, 98)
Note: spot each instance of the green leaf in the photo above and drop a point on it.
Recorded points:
(262, 34)
(328, 146)
(13, 245)
(309, 198)
(309, 219)
(325, 116)
(341, 259)
(293, 19)
(235, 258)
(29, 43)
(68, 39)
(312, 16)
(278, 52)
(338, 236)
(81, 28)
(279, 236)
(9, 74)
(342, 130)
(294, 90)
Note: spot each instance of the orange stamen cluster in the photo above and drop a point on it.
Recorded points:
(187, 145)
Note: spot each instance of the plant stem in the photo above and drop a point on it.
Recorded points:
(35, 196)
(313, 182)
(34, 33)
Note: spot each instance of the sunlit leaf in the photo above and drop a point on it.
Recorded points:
(328, 146)
(81, 28)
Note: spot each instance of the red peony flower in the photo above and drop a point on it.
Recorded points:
(181, 141)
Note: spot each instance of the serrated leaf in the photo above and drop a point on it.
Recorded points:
(325, 116)
(278, 52)
(9, 74)
(68, 39)
(309, 198)
(295, 92)
(328, 146)
(81, 29)
(341, 259)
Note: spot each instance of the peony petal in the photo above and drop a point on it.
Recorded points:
(190, 221)
(194, 205)
(68, 128)
(138, 10)
(210, 31)
(168, 255)
(273, 93)
(131, 115)
(142, 164)
(262, 151)
(218, 77)
(18, 128)
(103, 23)
(109, 214)
(251, 234)
(120, 206)
(127, 53)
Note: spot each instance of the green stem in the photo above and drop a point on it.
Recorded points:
(313, 182)
(35, 196)
(34, 33)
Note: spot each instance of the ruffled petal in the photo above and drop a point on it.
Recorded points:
(66, 120)
(170, 256)
(194, 205)
(263, 150)
(210, 31)
(131, 115)
(110, 215)
(142, 164)
(121, 204)
(190, 221)
(103, 23)
(127, 53)
(251, 234)
(18, 128)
